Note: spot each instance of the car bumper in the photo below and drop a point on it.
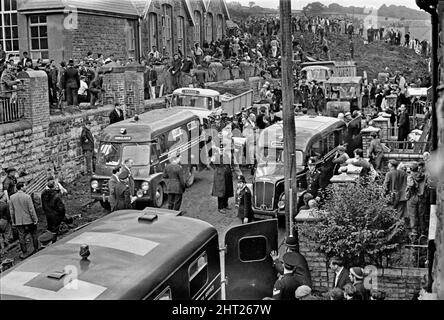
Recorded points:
(258, 213)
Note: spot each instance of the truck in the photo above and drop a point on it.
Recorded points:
(203, 102)
(328, 69)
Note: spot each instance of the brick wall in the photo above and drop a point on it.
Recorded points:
(398, 283)
(100, 34)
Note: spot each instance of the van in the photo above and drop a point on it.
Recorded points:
(315, 136)
(150, 140)
(153, 254)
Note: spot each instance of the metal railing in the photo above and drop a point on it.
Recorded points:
(12, 106)
(407, 146)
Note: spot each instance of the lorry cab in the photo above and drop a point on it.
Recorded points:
(318, 73)
(150, 141)
(315, 136)
(153, 254)
(348, 89)
(201, 102)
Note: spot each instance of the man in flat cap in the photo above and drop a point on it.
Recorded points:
(304, 293)
(395, 185)
(285, 287)
(245, 211)
(10, 182)
(53, 207)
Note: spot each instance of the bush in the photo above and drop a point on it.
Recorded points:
(357, 224)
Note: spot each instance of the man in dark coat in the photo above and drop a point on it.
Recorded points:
(95, 89)
(403, 124)
(10, 182)
(175, 71)
(245, 211)
(112, 183)
(71, 84)
(123, 198)
(313, 178)
(341, 273)
(285, 287)
(87, 142)
(116, 115)
(127, 167)
(262, 120)
(301, 271)
(53, 207)
(395, 185)
(175, 183)
(273, 118)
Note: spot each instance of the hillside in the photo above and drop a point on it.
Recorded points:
(372, 58)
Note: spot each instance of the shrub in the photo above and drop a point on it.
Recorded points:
(357, 224)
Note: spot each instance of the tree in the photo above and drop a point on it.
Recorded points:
(361, 232)
(314, 8)
(251, 4)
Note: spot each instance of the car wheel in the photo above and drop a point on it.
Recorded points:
(158, 196)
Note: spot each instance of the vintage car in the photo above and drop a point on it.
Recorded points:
(315, 136)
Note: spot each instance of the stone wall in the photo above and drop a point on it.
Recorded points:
(398, 283)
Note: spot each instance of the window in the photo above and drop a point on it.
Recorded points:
(219, 27)
(167, 29)
(181, 34)
(209, 36)
(8, 26)
(198, 274)
(197, 26)
(111, 154)
(253, 249)
(316, 148)
(152, 30)
(130, 36)
(164, 295)
(38, 29)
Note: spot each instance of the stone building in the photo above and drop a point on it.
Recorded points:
(64, 29)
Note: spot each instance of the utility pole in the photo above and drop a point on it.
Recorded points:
(289, 130)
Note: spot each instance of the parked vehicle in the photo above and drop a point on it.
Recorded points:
(345, 89)
(204, 101)
(315, 136)
(154, 254)
(149, 141)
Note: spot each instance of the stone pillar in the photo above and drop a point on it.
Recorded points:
(134, 89)
(366, 136)
(114, 85)
(383, 124)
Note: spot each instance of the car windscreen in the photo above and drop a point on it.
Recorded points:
(112, 154)
(192, 101)
(271, 161)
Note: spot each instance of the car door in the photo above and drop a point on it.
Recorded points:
(248, 266)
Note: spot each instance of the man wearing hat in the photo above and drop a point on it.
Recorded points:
(301, 271)
(416, 202)
(285, 287)
(304, 293)
(53, 207)
(357, 278)
(175, 182)
(117, 114)
(71, 84)
(340, 159)
(245, 211)
(10, 182)
(122, 192)
(262, 120)
(395, 185)
(313, 177)
(375, 151)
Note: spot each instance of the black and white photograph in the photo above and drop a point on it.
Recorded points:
(232, 151)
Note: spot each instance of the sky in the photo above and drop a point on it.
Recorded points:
(299, 4)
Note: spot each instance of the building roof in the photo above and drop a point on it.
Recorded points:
(127, 258)
(224, 7)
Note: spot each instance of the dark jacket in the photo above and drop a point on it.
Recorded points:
(245, 210)
(313, 181)
(344, 278)
(54, 208)
(396, 182)
(174, 179)
(361, 292)
(87, 140)
(115, 117)
(285, 287)
(302, 272)
(123, 200)
(9, 185)
(260, 121)
(131, 183)
(223, 182)
(112, 198)
(71, 78)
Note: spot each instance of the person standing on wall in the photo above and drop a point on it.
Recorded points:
(175, 182)
(87, 142)
(71, 84)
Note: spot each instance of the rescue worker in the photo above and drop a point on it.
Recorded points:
(123, 198)
(87, 143)
(285, 287)
(313, 176)
(53, 207)
(175, 182)
(375, 151)
(245, 211)
(395, 185)
(302, 271)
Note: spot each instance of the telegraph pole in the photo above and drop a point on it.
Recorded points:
(289, 129)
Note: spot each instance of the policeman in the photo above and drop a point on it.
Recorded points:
(313, 177)
(285, 287)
